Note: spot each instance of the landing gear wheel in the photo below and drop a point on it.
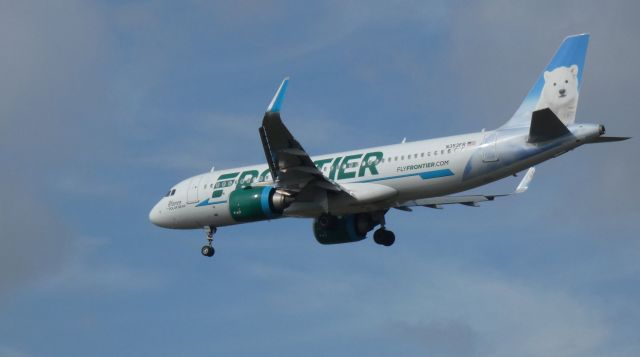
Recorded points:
(384, 237)
(207, 251)
(389, 239)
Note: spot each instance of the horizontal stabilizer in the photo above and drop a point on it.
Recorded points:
(545, 125)
(609, 139)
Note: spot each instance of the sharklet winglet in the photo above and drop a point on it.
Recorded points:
(276, 102)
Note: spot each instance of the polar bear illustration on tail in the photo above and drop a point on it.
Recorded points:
(560, 93)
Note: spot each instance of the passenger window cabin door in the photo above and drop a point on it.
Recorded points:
(489, 150)
(192, 192)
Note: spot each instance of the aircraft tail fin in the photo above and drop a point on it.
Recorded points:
(558, 86)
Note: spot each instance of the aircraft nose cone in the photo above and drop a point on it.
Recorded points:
(156, 217)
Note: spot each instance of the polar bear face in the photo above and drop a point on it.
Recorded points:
(560, 86)
(560, 93)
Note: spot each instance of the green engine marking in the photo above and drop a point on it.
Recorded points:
(251, 204)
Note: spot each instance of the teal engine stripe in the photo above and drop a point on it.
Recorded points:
(350, 222)
(265, 202)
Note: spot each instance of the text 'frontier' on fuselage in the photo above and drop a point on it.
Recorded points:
(341, 168)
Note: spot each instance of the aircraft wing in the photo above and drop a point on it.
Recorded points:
(290, 165)
(470, 200)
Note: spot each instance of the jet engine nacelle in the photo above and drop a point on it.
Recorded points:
(346, 229)
(256, 204)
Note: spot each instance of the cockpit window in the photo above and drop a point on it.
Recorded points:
(173, 192)
(168, 194)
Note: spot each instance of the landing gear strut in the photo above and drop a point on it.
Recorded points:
(207, 250)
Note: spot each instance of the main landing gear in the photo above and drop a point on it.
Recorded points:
(384, 237)
(207, 250)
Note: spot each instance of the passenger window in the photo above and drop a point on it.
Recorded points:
(435, 153)
(421, 154)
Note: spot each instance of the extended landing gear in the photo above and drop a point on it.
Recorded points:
(207, 250)
(384, 237)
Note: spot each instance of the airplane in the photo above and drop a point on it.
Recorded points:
(348, 194)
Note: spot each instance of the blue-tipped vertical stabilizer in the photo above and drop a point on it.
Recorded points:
(558, 87)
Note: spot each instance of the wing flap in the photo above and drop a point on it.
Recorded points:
(467, 200)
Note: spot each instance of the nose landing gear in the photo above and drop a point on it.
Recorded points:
(207, 250)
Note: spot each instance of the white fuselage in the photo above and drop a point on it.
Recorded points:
(413, 170)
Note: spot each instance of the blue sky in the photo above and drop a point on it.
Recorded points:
(105, 105)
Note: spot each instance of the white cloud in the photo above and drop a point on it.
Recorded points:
(85, 273)
(442, 307)
(34, 242)
(6, 351)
